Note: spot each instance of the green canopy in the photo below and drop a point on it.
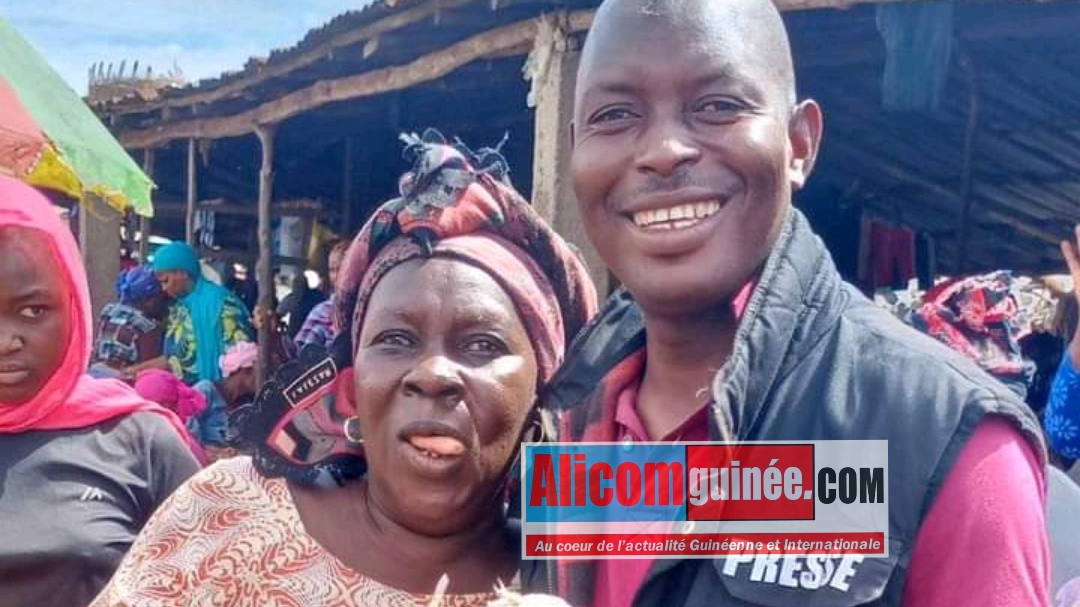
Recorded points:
(51, 138)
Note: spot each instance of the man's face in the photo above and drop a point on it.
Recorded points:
(684, 158)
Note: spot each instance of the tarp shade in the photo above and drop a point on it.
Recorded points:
(83, 156)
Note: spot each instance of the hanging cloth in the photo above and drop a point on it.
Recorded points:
(918, 39)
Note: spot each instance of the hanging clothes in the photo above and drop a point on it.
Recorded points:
(980, 318)
(925, 260)
(887, 256)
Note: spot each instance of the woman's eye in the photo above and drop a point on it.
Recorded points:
(485, 345)
(32, 311)
(395, 339)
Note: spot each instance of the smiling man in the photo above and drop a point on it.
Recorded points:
(689, 142)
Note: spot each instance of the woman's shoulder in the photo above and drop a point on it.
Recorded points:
(222, 499)
(235, 479)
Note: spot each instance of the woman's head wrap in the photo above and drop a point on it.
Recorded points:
(178, 256)
(136, 284)
(454, 204)
(240, 355)
(70, 399)
(171, 392)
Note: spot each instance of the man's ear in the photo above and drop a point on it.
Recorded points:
(804, 136)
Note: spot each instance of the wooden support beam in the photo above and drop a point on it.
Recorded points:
(970, 130)
(192, 193)
(347, 185)
(242, 85)
(423, 69)
(552, 67)
(145, 227)
(265, 278)
(99, 242)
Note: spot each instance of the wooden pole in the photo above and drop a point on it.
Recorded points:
(964, 232)
(347, 187)
(552, 69)
(192, 193)
(265, 277)
(144, 222)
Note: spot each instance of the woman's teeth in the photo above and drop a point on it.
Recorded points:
(676, 218)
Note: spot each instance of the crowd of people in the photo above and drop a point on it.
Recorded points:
(376, 465)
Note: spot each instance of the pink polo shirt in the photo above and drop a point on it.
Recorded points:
(983, 541)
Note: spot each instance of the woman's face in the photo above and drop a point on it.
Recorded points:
(175, 283)
(35, 322)
(445, 379)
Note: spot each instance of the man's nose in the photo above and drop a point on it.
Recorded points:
(666, 147)
(435, 376)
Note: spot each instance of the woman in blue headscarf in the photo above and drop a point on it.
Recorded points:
(131, 330)
(205, 319)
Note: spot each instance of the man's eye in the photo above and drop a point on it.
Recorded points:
(616, 114)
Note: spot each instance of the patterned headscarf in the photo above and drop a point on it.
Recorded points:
(136, 284)
(454, 204)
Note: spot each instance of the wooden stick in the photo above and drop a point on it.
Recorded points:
(145, 227)
(192, 194)
(265, 133)
(966, 198)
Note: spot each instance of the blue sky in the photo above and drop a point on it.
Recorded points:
(203, 37)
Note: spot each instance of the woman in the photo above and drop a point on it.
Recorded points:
(318, 327)
(1062, 418)
(83, 462)
(131, 330)
(205, 319)
(189, 404)
(455, 305)
(235, 389)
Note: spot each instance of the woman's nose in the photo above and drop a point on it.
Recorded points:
(10, 341)
(436, 377)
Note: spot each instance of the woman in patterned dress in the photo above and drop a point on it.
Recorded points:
(382, 467)
(204, 320)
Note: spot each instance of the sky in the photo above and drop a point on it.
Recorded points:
(202, 37)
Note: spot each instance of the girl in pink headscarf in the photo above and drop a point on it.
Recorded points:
(84, 462)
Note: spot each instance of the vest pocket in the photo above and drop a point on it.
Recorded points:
(781, 581)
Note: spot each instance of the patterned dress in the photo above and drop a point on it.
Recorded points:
(233, 538)
(119, 329)
(180, 344)
(1062, 421)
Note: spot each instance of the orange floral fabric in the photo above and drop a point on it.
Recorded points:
(233, 538)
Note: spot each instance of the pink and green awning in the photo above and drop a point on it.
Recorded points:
(50, 138)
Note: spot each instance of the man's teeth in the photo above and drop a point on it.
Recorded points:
(676, 218)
